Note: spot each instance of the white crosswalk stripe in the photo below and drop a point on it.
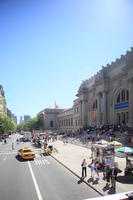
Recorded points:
(8, 153)
(42, 162)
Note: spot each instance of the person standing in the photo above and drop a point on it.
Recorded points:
(83, 165)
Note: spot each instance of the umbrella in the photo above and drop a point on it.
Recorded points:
(115, 144)
(125, 150)
(102, 142)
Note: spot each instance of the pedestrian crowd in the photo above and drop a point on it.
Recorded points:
(109, 172)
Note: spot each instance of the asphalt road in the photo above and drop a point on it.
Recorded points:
(41, 179)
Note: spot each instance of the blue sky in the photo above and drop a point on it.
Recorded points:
(47, 47)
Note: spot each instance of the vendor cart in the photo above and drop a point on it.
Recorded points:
(101, 152)
(129, 165)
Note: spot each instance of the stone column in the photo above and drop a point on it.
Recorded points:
(104, 107)
(98, 108)
(131, 101)
(85, 113)
(80, 113)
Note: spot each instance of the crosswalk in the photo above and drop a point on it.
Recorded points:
(39, 160)
(7, 153)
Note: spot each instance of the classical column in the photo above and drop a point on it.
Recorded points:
(98, 108)
(81, 113)
(131, 101)
(85, 113)
(104, 107)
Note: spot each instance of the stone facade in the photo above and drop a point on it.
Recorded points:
(2, 101)
(65, 121)
(48, 119)
(105, 98)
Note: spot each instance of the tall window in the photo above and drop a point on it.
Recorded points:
(51, 123)
(123, 96)
(95, 104)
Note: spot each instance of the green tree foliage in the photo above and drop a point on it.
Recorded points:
(30, 125)
(6, 124)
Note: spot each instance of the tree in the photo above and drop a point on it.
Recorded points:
(6, 124)
(30, 125)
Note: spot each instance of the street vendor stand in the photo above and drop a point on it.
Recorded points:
(129, 165)
(100, 152)
(128, 152)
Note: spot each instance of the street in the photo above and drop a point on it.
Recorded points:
(43, 178)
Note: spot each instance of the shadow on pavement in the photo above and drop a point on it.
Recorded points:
(22, 160)
(110, 190)
(80, 180)
(94, 182)
(125, 179)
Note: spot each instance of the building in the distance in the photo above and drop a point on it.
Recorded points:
(3, 109)
(21, 119)
(12, 116)
(48, 118)
(9, 113)
(26, 118)
(105, 98)
(15, 119)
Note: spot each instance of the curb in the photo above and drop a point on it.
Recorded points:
(76, 175)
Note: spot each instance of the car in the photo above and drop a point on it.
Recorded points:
(26, 153)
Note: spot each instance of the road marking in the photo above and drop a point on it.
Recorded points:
(43, 161)
(36, 162)
(47, 162)
(35, 182)
(5, 158)
(8, 153)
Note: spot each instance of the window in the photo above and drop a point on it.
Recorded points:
(123, 96)
(71, 121)
(127, 95)
(51, 123)
(118, 99)
(95, 104)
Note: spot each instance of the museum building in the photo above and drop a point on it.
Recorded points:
(105, 98)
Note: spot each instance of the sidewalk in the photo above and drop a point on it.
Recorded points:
(71, 156)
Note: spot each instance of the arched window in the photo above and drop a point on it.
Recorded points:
(122, 96)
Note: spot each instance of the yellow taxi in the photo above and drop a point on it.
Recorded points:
(26, 153)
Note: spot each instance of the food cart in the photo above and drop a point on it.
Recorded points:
(100, 152)
(129, 165)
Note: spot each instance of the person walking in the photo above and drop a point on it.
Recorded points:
(12, 146)
(93, 169)
(97, 168)
(113, 175)
(83, 165)
(108, 175)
